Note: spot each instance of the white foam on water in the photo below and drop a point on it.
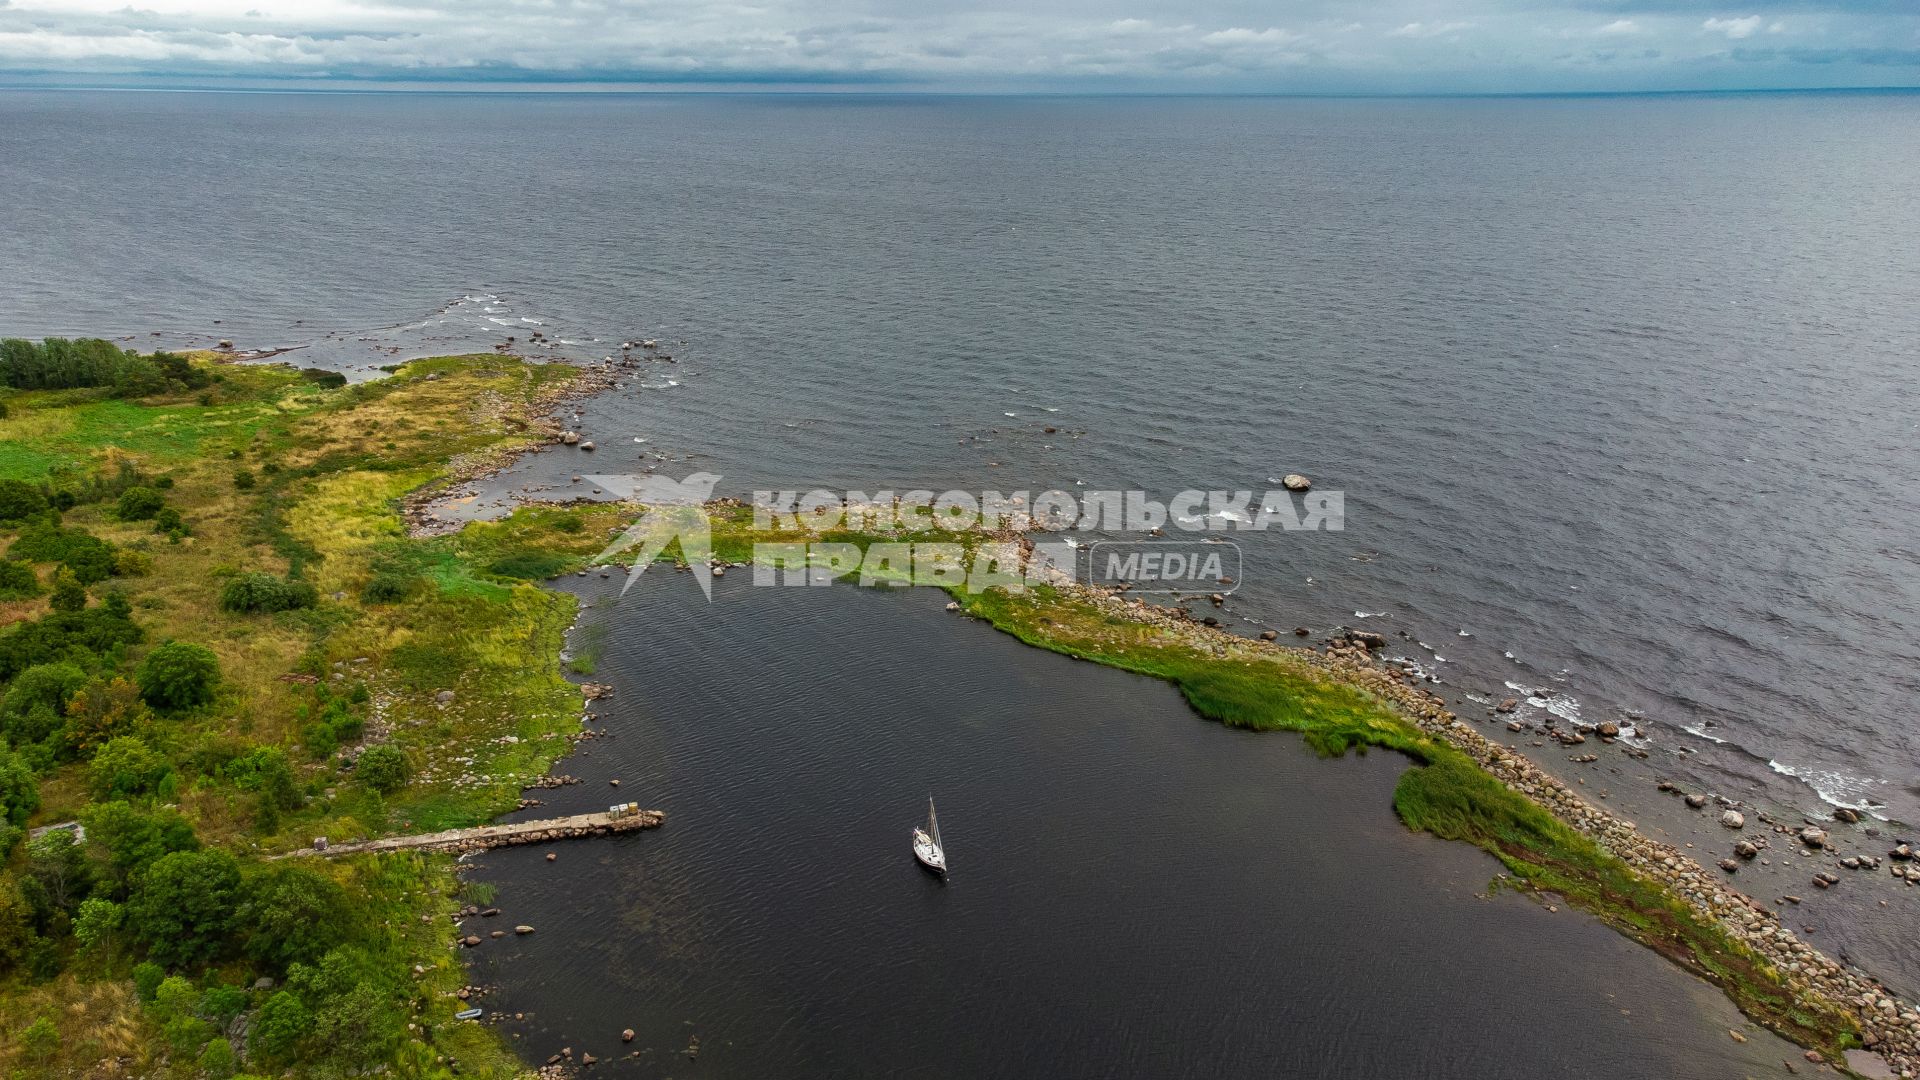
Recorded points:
(1372, 615)
(1698, 731)
(1461, 633)
(1834, 787)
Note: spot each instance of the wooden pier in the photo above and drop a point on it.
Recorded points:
(482, 837)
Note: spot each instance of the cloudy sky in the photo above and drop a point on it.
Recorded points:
(1100, 45)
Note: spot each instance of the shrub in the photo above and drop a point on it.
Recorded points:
(389, 588)
(280, 1025)
(257, 592)
(147, 977)
(168, 520)
(529, 565)
(264, 770)
(68, 593)
(175, 996)
(16, 924)
(83, 637)
(243, 479)
(139, 504)
(97, 714)
(291, 915)
(34, 705)
(217, 1060)
(383, 768)
(182, 906)
(125, 767)
(89, 557)
(41, 1040)
(18, 581)
(223, 1002)
(178, 675)
(20, 500)
(130, 563)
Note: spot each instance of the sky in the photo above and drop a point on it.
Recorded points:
(1311, 46)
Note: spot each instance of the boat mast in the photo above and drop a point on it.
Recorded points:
(933, 820)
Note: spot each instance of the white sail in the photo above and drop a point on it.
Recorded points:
(926, 842)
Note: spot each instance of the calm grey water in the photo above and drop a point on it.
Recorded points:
(1134, 891)
(1622, 387)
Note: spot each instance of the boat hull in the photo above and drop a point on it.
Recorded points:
(927, 853)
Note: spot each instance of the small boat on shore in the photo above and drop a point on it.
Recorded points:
(926, 843)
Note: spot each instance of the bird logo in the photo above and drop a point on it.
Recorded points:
(674, 510)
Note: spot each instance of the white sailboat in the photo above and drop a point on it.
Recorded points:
(926, 843)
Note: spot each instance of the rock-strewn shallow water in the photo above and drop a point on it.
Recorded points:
(1135, 891)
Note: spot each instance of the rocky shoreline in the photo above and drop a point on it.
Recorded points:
(1888, 1025)
(417, 509)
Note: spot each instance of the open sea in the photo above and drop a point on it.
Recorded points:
(1621, 391)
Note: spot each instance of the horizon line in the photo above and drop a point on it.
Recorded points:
(556, 87)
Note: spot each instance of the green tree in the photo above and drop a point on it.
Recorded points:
(291, 915)
(383, 768)
(182, 906)
(19, 791)
(60, 866)
(96, 923)
(68, 593)
(357, 1013)
(139, 503)
(178, 675)
(125, 767)
(133, 838)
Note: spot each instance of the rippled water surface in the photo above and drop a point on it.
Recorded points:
(1624, 388)
(1134, 891)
